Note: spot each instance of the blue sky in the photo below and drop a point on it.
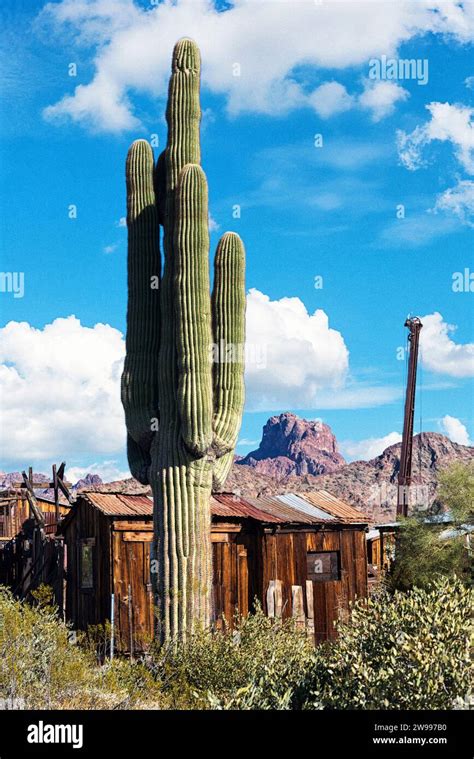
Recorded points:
(306, 211)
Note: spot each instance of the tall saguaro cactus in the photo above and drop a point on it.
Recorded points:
(182, 385)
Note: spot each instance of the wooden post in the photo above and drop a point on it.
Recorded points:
(274, 599)
(64, 580)
(130, 620)
(271, 599)
(310, 608)
(112, 625)
(31, 498)
(56, 495)
(278, 599)
(382, 552)
(297, 605)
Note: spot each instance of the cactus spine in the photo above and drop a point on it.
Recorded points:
(183, 370)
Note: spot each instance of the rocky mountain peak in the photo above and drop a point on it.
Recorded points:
(291, 445)
(90, 480)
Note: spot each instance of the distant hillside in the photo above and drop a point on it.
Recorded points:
(297, 455)
(368, 485)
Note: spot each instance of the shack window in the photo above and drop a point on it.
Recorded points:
(87, 565)
(323, 566)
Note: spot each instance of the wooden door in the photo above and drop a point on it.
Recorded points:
(133, 591)
(230, 577)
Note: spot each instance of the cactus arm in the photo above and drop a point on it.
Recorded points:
(139, 379)
(193, 311)
(221, 470)
(139, 461)
(228, 318)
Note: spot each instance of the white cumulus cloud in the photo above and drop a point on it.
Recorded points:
(213, 225)
(108, 471)
(458, 201)
(455, 430)
(60, 385)
(368, 448)
(448, 123)
(269, 40)
(60, 390)
(330, 98)
(296, 360)
(296, 353)
(440, 353)
(380, 98)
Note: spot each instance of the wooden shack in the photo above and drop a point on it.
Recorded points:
(306, 551)
(107, 539)
(15, 511)
(30, 552)
(309, 547)
(381, 549)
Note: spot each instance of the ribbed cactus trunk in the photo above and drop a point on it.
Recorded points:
(183, 400)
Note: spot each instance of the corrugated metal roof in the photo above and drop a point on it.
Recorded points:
(287, 513)
(290, 508)
(229, 505)
(332, 505)
(223, 504)
(297, 502)
(116, 504)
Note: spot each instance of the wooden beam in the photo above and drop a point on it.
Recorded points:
(64, 489)
(30, 495)
(56, 494)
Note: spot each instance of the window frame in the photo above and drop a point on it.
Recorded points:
(313, 576)
(86, 543)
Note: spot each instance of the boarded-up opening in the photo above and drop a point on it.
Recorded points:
(323, 566)
(86, 563)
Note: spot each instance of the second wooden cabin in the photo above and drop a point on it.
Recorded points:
(313, 542)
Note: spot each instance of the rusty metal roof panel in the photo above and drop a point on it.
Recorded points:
(282, 511)
(334, 506)
(305, 508)
(116, 504)
(296, 502)
(229, 505)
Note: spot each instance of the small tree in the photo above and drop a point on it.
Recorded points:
(456, 491)
(421, 556)
(422, 552)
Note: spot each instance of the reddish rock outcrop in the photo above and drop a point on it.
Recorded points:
(291, 445)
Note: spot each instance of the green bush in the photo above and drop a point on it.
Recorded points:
(402, 651)
(257, 665)
(41, 668)
(456, 491)
(406, 651)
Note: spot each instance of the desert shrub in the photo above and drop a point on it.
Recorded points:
(41, 668)
(96, 639)
(456, 490)
(396, 651)
(401, 651)
(421, 555)
(258, 664)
